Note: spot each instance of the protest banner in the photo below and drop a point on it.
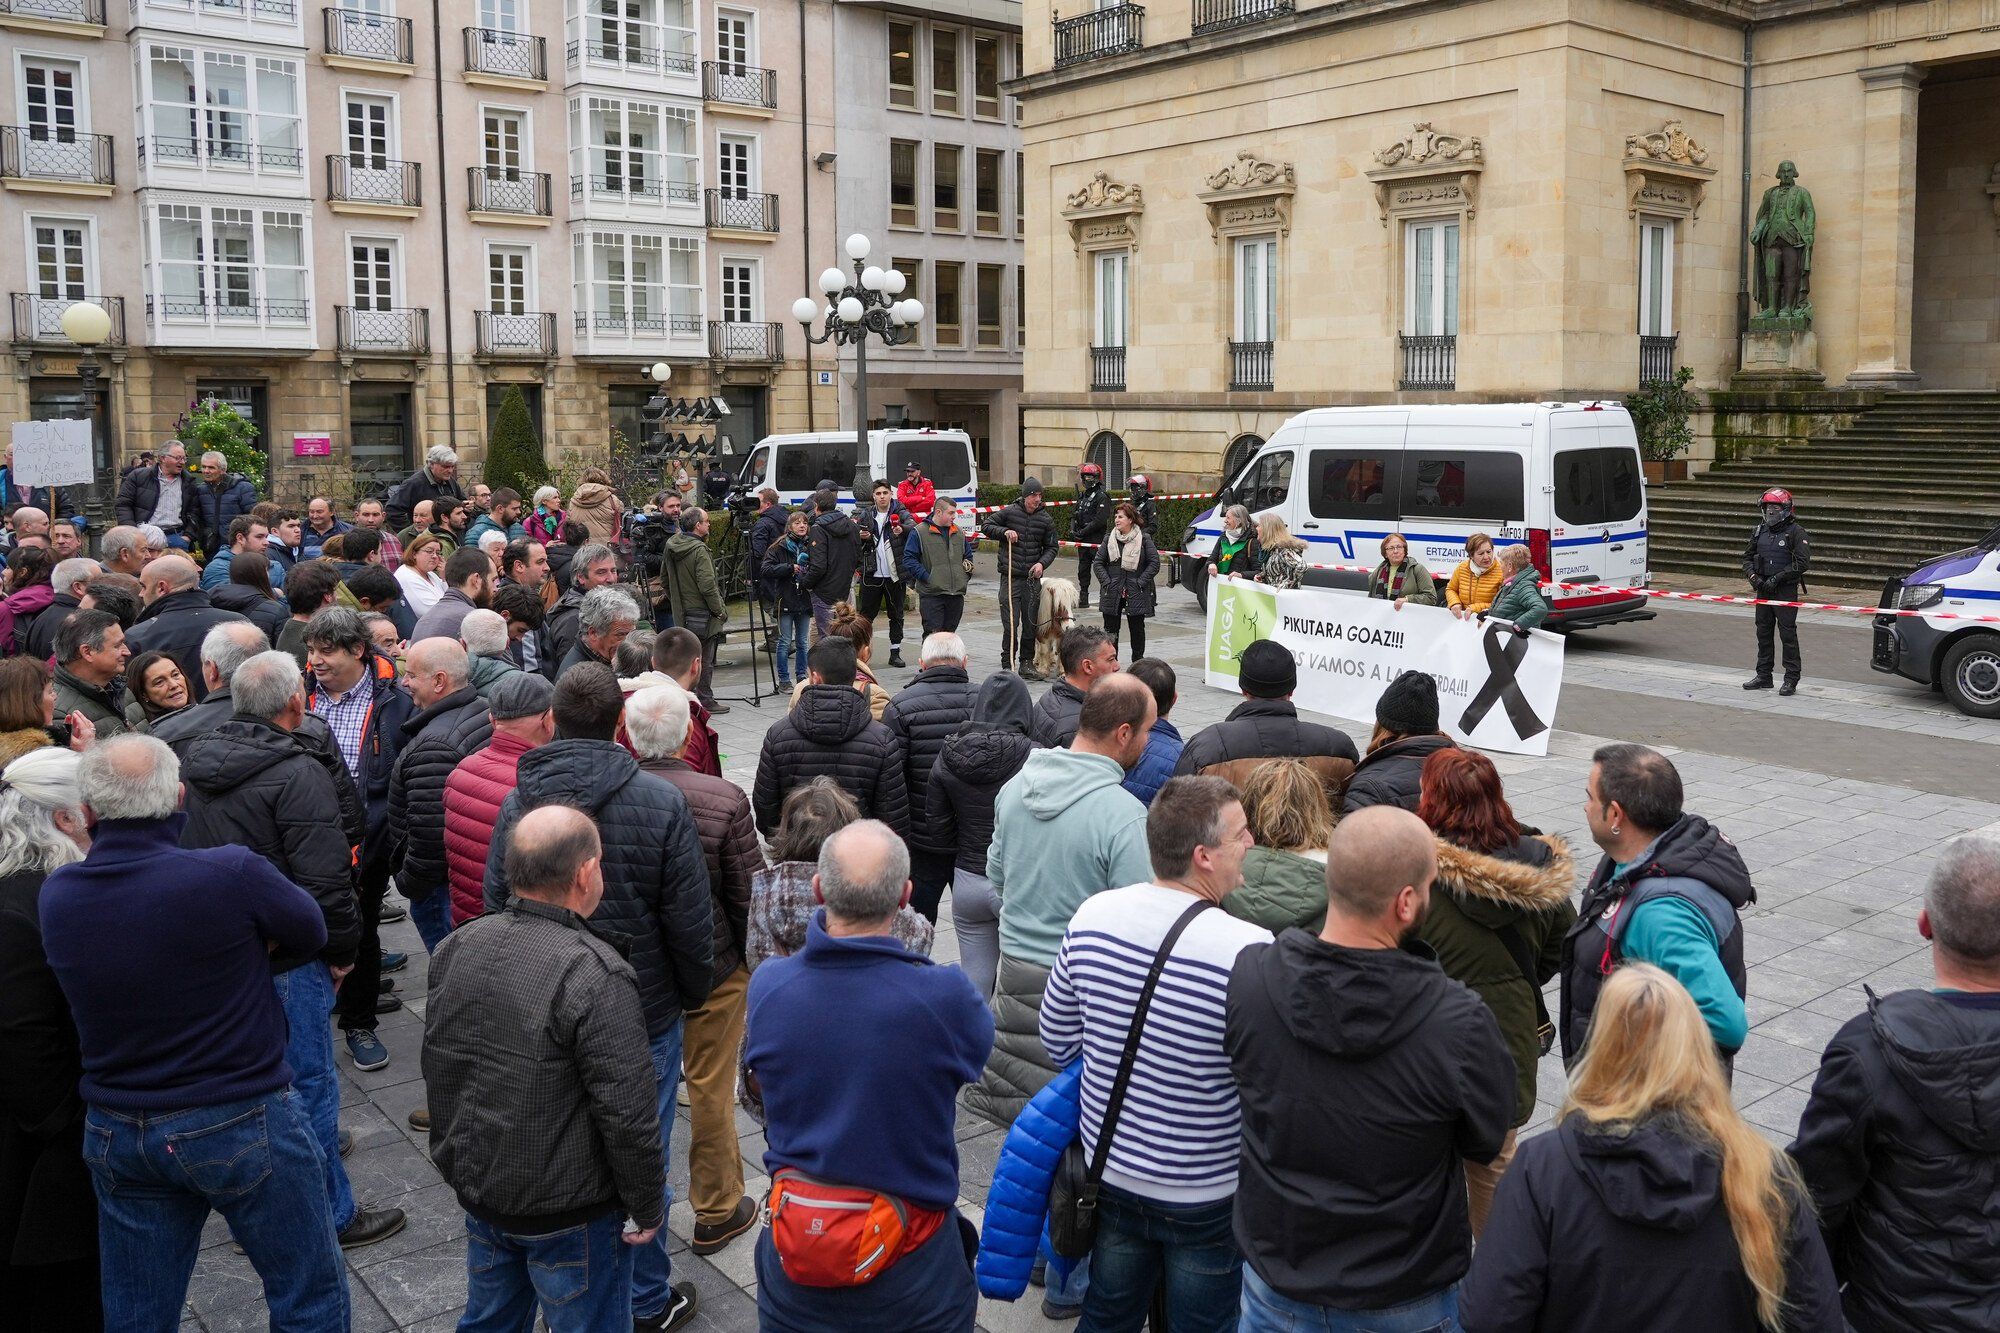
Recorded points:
(1497, 688)
(52, 453)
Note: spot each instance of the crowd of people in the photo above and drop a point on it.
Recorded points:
(1305, 1108)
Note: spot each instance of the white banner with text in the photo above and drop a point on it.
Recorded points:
(1497, 688)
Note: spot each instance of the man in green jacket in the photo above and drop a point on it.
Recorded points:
(1520, 601)
(90, 654)
(694, 596)
(937, 560)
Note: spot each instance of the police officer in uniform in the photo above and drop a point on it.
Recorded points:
(1140, 487)
(1775, 564)
(1087, 526)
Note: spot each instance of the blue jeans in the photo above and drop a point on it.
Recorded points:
(431, 916)
(306, 993)
(652, 1270)
(794, 637)
(928, 1290)
(579, 1277)
(1066, 1291)
(1139, 1240)
(255, 1162)
(1265, 1311)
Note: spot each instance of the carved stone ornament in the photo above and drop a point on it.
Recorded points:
(1250, 195)
(1665, 173)
(1104, 213)
(1428, 172)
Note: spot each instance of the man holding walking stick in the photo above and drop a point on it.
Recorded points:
(1028, 543)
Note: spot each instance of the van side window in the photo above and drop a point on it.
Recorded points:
(1472, 487)
(1349, 485)
(944, 459)
(802, 466)
(1267, 483)
(1595, 487)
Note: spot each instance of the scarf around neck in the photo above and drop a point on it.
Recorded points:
(1125, 551)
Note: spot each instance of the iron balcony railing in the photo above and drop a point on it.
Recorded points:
(398, 330)
(744, 85)
(1107, 369)
(56, 11)
(1656, 357)
(634, 187)
(637, 324)
(32, 152)
(741, 212)
(1250, 367)
(496, 333)
(1099, 34)
(1221, 15)
(729, 341)
(639, 53)
(523, 192)
(363, 36)
(247, 309)
(512, 55)
(217, 150)
(38, 319)
(354, 178)
(1430, 361)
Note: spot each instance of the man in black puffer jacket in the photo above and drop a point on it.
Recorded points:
(656, 908)
(833, 554)
(921, 717)
(451, 722)
(1027, 536)
(1266, 725)
(1406, 735)
(1900, 1141)
(830, 733)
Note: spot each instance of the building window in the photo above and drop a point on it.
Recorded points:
(370, 135)
(1108, 451)
(736, 169)
(989, 280)
(944, 71)
(50, 97)
(379, 420)
(739, 291)
(63, 259)
(1430, 274)
(735, 40)
(986, 169)
(1020, 305)
(507, 284)
(235, 263)
(1257, 289)
(986, 76)
(221, 109)
(902, 183)
(903, 65)
(946, 316)
(1113, 269)
(1656, 277)
(530, 393)
(1020, 194)
(639, 283)
(502, 143)
(644, 152)
(1020, 68)
(913, 279)
(503, 15)
(944, 187)
(643, 36)
(372, 266)
(252, 401)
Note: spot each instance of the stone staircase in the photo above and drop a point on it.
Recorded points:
(1916, 476)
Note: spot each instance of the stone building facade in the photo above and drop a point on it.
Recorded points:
(1241, 208)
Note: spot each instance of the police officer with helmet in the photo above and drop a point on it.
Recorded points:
(1088, 525)
(1140, 487)
(1775, 563)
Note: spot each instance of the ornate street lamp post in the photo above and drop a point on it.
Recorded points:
(853, 313)
(87, 325)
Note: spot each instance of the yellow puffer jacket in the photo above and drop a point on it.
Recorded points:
(1472, 590)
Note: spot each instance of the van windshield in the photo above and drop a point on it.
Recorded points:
(944, 459)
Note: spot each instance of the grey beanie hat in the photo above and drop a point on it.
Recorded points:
(520, 694)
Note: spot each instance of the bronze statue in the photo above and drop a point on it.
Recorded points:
(1783, 237)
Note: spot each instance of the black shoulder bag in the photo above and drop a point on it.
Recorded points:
(1073, 1195)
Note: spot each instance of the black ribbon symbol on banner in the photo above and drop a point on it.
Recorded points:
(1505, 651)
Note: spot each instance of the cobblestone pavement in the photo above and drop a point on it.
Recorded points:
(1839, 864)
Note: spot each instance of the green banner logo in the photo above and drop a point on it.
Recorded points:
(1244, 613)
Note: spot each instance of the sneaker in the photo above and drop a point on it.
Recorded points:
(681, 1302)
(393, 961)
(371, 1225)
(420, 1119)
(1060, 1313)
(393, 909)
(710, 1237)
(1757, 683)
(1790, 687)
(784, 686)
(346, 1141)
(365, 1048)
(387, 1004)
(385, 985)
(715, 708)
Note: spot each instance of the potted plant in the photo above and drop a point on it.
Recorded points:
(1661, 411)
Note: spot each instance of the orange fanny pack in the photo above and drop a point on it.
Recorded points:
(829, 1235)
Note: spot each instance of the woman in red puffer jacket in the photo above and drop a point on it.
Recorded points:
(477, 787)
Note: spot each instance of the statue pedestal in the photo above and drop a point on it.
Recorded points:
(1779, 359)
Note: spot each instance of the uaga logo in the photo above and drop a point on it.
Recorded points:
(1243, 615)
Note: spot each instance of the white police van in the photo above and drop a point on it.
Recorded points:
(1562, 479)
(1959, 657)
(794, 465)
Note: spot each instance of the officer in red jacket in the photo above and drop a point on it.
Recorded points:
(915, 491)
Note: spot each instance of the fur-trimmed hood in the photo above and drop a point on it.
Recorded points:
(1537, 873)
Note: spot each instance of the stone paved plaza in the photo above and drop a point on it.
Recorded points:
(1839, 864)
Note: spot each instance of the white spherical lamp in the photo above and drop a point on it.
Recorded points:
(850, 310)
(857, 246)
(832, 281)
(86, 324)
(894, 282)
(662, 372)
(913, 311)
(804, 309)
(871, 278)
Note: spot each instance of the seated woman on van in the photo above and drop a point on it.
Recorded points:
(1400, 579)
(1284, 554)
(1236, 551)
(1476, 581)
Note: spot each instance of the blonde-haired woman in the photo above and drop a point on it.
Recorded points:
(1652, 1205)
(1284, 874)
(1284, 554)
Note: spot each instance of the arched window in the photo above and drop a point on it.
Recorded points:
(1109, 452)
(1240, 451)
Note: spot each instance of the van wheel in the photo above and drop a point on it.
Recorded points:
(1194, 575)
(1970, 675)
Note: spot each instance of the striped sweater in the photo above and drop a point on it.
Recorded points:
(1178, 1135)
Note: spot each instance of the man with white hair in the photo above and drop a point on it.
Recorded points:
(450, 723)
(436, 479)
(69, 578)
(593, 566)
(187, 973)
(485, 638)
(253, 782)
(656, 723)
(123, 549)
(923, 715)
(607, 615)
(178, 616)
(220, 498)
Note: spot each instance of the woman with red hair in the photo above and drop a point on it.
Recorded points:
(1499, 911)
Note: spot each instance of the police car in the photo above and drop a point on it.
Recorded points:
(1959, 657)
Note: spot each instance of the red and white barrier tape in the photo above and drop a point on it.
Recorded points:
(1057, 504)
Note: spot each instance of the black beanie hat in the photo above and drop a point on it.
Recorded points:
(1032, 486)
(1267, 670)
(1409, 707)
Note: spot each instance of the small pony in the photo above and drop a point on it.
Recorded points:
(1052, 617)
